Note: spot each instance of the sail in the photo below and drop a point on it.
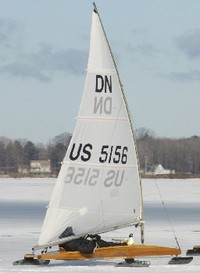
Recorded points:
(98, 188)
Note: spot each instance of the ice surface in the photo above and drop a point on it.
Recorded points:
(23, 204)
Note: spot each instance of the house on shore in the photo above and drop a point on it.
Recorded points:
(40, 167)
(160, 170)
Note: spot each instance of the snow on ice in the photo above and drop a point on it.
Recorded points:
(23, 204)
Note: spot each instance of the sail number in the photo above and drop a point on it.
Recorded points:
(108, 153)
(113, 154)
(90, 177)
(82, 176)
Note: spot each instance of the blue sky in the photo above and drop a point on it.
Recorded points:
(43, 53)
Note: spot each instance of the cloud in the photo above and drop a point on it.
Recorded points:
(139, 31)
(40, 65)
(144, 49)
(190, 43)
(192, 75)
(24, 71)
(10, 33)
(47, 61)
(6, 30)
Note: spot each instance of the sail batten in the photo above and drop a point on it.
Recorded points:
(98, 188)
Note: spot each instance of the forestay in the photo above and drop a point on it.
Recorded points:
(98, 187)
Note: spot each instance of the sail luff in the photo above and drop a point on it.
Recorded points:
(129, 116)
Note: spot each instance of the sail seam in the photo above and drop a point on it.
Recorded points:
(102, 118)
(110, 71)
(100, 165)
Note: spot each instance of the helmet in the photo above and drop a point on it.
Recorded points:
(131, 235)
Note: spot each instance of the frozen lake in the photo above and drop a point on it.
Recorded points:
(23, 204)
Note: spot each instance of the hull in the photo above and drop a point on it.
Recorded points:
(112, 252)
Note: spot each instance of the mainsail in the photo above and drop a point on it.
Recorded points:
(98, 188)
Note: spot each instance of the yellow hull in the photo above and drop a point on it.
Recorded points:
(112, 252)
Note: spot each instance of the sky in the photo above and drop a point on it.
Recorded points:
(43, 55)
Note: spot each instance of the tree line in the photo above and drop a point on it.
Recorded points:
(181, 155)
(15, 154)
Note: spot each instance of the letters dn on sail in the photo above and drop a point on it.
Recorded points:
(102, 104)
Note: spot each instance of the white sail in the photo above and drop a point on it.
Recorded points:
(98, 188)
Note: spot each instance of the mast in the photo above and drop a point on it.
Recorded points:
(130, 121)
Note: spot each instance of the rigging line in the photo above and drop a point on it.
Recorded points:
(167, 214)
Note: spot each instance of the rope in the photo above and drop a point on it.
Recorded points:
(167, 214)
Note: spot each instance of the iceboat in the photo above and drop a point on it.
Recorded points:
(98, 189)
